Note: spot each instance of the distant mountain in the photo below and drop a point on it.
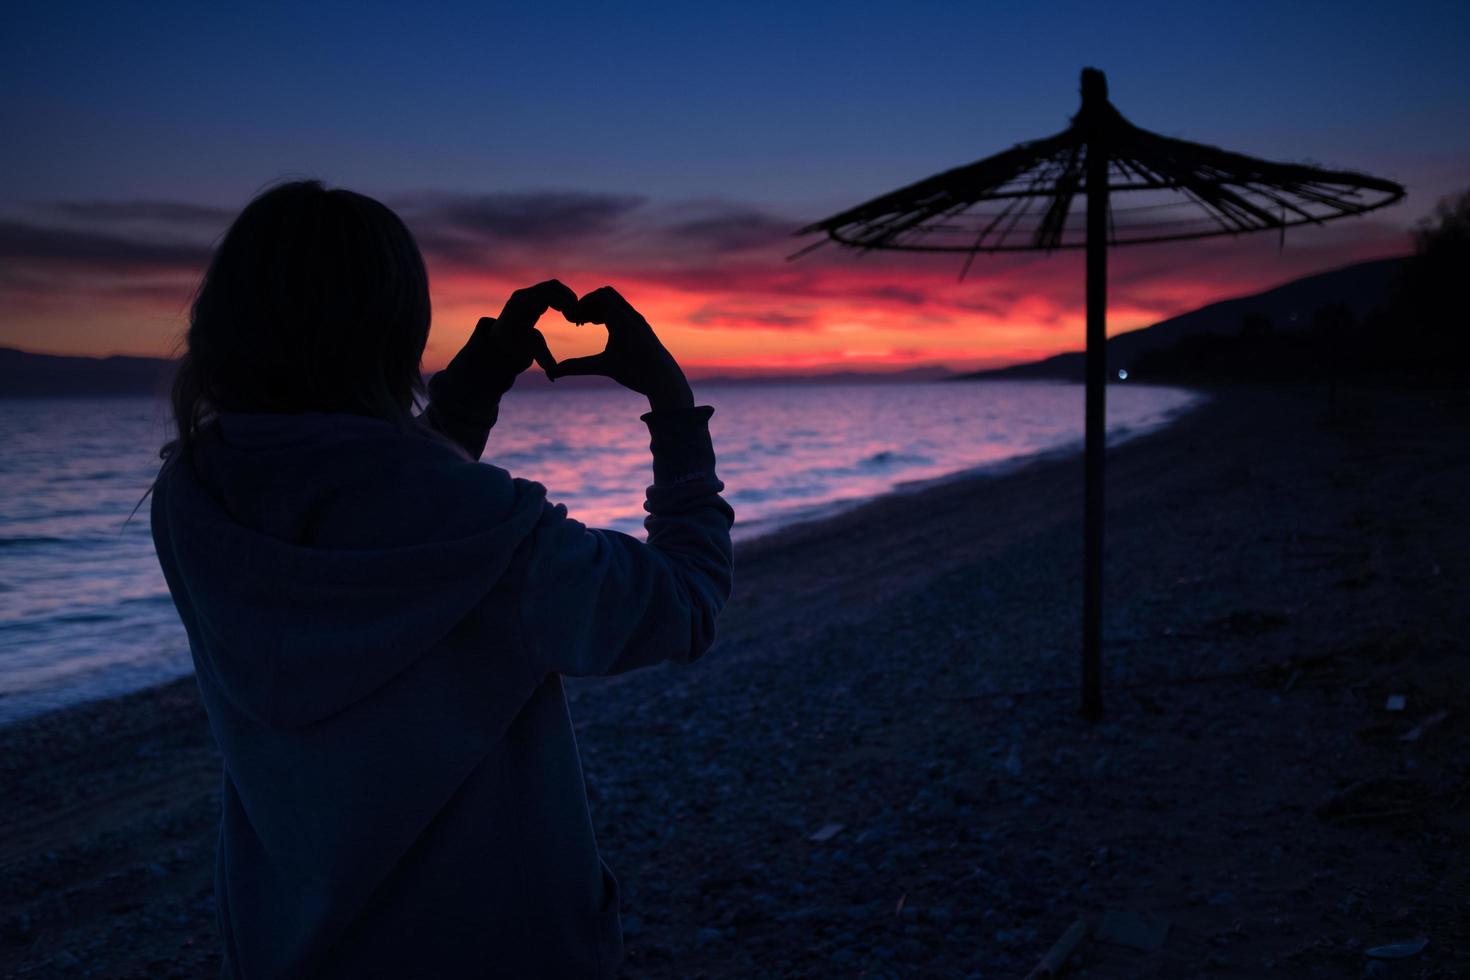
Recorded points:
(1363, 288)
(44, 375)
(535, 379)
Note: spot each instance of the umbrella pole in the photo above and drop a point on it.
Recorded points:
(1096, 377)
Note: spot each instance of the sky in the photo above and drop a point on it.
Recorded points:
(671, 150)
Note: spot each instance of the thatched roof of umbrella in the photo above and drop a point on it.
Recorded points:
(1023, 199)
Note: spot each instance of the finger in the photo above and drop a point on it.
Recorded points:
(542, 353)
(558, 295)
(552, 294)
(599, 364)
(525, 306)
(596, 306)
(605, 305)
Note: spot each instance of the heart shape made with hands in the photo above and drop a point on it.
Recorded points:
(632, 355)
(603, 307)
(582, 344)
(516, 325)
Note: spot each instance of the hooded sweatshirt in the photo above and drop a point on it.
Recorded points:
(379, 625)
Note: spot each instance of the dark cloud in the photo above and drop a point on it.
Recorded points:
(714, 316)
(813, 282)
(990, 307)
(160, 293)
(149, 237)
(471, 230)
(198, 216)
(38, 245)
(726, 256)
(732, 228)
(895, 294)
(538, 217)
(459, 225)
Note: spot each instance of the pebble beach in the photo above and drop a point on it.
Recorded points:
(880, 769)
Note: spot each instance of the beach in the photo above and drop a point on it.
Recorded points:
(880, 768)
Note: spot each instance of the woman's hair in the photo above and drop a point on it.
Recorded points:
(316, 300)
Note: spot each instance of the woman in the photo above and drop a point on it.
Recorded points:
(379, 623)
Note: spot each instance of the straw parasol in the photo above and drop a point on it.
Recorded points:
(1025, 199)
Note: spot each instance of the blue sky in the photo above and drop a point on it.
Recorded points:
(787, 103)
(777, 113)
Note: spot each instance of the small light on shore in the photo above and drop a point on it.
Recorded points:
(1122, 374)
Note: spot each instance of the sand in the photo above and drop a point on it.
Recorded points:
(880, 769)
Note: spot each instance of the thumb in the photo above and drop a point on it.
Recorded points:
(542, 354)
(599, 364)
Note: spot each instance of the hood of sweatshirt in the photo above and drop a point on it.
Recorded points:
(319, 555)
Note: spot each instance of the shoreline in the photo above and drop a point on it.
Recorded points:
(765, 527)
(995, 469)
(906, 670)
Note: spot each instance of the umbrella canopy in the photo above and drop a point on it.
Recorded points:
(1027, 198)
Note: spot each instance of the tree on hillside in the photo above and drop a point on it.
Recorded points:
(1434, 303)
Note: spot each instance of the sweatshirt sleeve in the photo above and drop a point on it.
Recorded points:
(603, 602)
(464, 398)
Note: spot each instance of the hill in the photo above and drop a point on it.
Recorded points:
(1362, 288)
(24, 374)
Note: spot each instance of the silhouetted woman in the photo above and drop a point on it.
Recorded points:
(379, 623)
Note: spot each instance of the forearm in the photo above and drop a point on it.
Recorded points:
(464, 398)
(672, 394)
(603, 602)
(689, 521)
(464, 407)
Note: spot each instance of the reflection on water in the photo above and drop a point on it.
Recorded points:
(83, 607)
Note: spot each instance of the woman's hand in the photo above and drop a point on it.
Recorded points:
(509, 343)
(634, 357)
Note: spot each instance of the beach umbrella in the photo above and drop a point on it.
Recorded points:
(1101, 181)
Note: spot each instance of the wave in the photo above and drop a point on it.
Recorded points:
(890, 458)
(32, 540)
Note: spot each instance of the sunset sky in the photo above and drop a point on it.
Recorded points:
(671, 153)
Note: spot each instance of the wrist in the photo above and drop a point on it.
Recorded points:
(488, 358)
(476, 382)
(671, 400)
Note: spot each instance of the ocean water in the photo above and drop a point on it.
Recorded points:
(84, 612)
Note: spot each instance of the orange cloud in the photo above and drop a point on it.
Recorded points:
(100, 277)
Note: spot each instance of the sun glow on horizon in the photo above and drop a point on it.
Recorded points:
(718, 307)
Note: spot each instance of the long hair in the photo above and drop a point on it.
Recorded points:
(316, 300)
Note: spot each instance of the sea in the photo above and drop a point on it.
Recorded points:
(84, 612)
